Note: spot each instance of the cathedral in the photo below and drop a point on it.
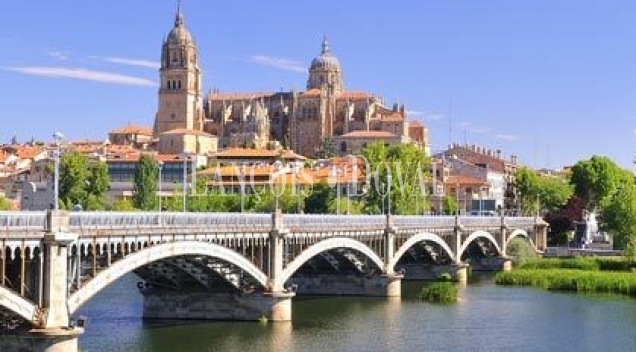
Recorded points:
(297, 120)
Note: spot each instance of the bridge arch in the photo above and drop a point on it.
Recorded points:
(328, 244)
(155, 253)
(425, 236)
(17, 304)
(520, 233)
(475, 235)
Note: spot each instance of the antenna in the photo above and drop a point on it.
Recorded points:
(450, 119)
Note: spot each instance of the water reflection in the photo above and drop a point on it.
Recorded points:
(488, 318)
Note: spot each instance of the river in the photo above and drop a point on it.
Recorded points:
(486, 318)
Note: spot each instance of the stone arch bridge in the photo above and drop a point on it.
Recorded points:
(228, 265)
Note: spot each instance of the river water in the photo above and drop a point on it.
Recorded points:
(486, 318)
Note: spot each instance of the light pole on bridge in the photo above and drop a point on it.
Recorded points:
(58, 137)
(159, 167)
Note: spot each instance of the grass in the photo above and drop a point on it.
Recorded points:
(439, 292)
(580, 263)
(572, 280)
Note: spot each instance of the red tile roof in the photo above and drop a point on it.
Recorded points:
(133, 129)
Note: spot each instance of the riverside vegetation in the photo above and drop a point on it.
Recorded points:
(590, 274)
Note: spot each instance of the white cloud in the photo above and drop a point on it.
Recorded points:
(277, 62)
(507, 137)
(83, 74)
(58, 55)
(129, 61)
(414, 112)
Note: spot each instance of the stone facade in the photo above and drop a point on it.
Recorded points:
(297, 120)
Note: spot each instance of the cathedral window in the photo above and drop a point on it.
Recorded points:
(179, 85)
(343, 147)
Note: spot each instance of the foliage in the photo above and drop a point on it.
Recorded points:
(619, 216)
(449, 205)
(5, 204)
(581, 263)
(571, 280)
(520, 250)
(538, 192)
(327, 149)
(145, 184)
(405, 166)
(123, 205)
(82, 182)
(320, 198)
(596, 179)
(562, 221)
(439, 292)
(355, 207)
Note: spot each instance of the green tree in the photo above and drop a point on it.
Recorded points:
(619, 216)
(5, 204)
(541, 193)
(82, 182)
(74, 175)
(327, 149)
(404, 169)
(97, 185)
(449, 205)
(596, 179)
(145, 184)
(123, 205)
(320, 198)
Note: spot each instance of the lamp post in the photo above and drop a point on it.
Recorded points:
(389, 178)
(58, 137)
(159, 167)
(242, 184)
(185, 180)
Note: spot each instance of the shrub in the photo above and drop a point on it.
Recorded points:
(520, 250)
(439, 292)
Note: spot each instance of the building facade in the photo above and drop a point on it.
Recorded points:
(297, 120)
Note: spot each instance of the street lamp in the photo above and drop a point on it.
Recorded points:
(58, 137)
(185, 179)
(389, 178)
(159, 167)
(242, 184)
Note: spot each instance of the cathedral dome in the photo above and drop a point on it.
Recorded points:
(325, 61)
(179, 34)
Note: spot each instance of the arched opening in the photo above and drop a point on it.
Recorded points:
(424, 256)
(481, 251)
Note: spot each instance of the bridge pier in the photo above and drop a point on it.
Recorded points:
(52, 332)
(165, 304)
(42, 340)
(385, 285)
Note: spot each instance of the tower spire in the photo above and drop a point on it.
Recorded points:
(325, 44)
(178, 22)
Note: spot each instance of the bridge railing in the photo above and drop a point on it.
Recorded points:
(322, 221)
(402, 221)
(480, 221)
(520, 221)
(23, 220)
(96, 220)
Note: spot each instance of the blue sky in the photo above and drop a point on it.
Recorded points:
(552, 81)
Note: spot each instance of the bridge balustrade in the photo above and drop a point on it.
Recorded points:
(520, 222)
(97, 220)
(423, 221)
(304, 222)
(12, 220)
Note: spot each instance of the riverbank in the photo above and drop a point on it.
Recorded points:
(594, 275)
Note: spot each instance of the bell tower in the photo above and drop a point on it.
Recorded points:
(180, 81)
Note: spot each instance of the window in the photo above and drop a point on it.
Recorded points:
(343, 146)
(179, 85)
